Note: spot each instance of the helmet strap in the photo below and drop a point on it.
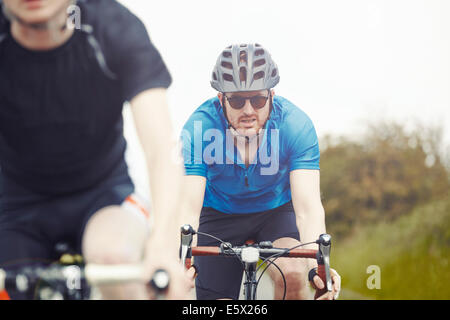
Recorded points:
(233, 129)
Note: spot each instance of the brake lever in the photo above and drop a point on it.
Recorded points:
(187, 233)
(325, 248)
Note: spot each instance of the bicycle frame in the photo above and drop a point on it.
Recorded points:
(250, 255)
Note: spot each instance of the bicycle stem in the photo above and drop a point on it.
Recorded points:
(250, 257)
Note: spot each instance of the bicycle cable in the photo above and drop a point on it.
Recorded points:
(276, 256)
(282, 277)
(279, 254)
(265, 261)
(225, 244)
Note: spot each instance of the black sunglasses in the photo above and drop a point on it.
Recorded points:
(257, 102)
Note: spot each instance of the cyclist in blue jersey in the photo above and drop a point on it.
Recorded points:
(252, 172)
(64, 175)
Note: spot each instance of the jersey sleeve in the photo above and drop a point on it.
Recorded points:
(192, 147)
(302, 143)
(136, 60)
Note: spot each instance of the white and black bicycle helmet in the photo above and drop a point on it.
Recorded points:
(244, 67)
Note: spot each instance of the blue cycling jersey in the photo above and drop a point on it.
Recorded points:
(288, 142)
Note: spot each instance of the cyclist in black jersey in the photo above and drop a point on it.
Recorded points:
(64, 176)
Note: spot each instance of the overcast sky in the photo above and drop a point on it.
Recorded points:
(343, 62)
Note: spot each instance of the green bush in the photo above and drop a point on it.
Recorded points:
(383, 175)
(412, 253)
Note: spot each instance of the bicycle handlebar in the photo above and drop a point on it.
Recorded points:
(95, 275)
(265, 250)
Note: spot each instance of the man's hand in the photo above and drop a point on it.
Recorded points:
(160, 256)
(317, 283)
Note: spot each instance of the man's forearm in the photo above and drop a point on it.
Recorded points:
(192, 200)
(311, 225)
(165, 181)
(154, 128)
(189, 217)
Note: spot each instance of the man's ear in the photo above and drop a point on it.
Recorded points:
(220, 96)
(6, 13)
(272, 93)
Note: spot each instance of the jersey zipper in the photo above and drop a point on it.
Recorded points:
(246, 159)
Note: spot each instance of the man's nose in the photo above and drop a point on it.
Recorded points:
(248, 108)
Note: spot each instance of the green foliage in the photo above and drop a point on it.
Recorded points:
(383, 176)
(387, 204)
(413, 254)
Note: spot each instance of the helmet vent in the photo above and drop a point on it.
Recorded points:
(258, 75)
(259, 62)
(214, 76)
(274, 72)
(227, 65)
(259, 52)
(243, 73)
(243, 57)
(227, 77)
(226, 54)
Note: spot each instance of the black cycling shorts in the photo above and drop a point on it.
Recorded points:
(31, 225)
(221, 277)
